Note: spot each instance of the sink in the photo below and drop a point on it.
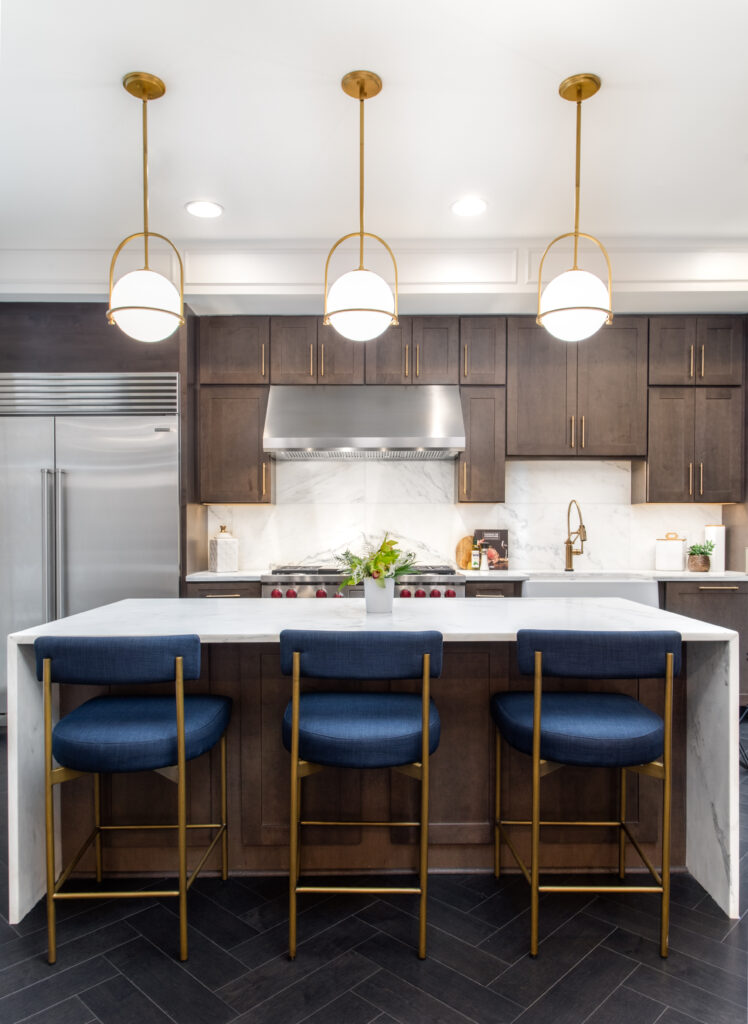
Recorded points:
(633, 588)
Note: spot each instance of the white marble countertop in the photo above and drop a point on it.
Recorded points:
(248, 620)
(512, 575)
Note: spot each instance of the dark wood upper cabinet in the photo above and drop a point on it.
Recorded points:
(540, 391)
(700, 350)
(695, 446)
(480, 468)
(233, 467)
(435, 357)
(612, 390)
(483, 350)
(293, 349)
(234, 350)
(388, 357)
(339, 361)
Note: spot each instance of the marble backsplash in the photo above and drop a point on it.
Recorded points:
(323, 507)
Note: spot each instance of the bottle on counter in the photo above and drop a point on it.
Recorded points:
(475, 555)
(223, 552)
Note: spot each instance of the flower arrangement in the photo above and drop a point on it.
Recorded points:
(379, 564)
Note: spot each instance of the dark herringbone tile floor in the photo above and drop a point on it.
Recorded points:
(357, 964)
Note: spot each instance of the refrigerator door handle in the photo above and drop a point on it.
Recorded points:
(47, 565)
(59, 552)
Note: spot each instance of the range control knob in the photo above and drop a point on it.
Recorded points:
(405, 593)
(321, 593)
(291, 593)
(435, 593)
(450, 593)
(276, 593)
(420, 593)
(338, 594)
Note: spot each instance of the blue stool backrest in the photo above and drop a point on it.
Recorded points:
(599, 654)
(365, 655)
(109, 660)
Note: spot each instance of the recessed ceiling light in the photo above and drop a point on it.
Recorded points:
(469, 206)
(203, 208)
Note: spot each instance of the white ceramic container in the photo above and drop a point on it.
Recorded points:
(716, 533)
(223, 552)
(670, 553)
(379, 599)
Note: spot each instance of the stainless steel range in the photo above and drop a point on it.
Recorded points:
(324, 581)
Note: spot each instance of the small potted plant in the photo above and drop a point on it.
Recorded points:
(378, 568)
(698, 556)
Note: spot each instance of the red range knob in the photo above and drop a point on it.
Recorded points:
(291, 593)
(450, 593)
(276, 593)
(405, 593)
(321, 593)
(435, 593)
(420, 593)
(337, 594)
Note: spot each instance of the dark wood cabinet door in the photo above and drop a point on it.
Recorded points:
(232, 465)
(612, 390)
(719, 350)
(540, 392)
(234, 350)
(244, 588)
(670, 459)
(718, 448)
(672, 350)
(493, 589)
(435, 358)
(293, 349)
(480, 468)
(388, 357)
(483, 350)
(339, 361)
(720, 602)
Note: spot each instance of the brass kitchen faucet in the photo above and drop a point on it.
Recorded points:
(580, 533)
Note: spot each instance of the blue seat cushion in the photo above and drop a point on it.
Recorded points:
(361, 730)
(604, 729)
(133, 734)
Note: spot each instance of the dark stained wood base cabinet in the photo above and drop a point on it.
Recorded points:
(481, 467)
(232, 464)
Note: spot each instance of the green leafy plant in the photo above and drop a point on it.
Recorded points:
(384, 562)
(702, 549)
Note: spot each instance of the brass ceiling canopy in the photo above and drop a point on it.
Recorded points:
(361, 85)
(143, 86)
(576, 88)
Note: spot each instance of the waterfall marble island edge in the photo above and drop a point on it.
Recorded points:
(711, 723)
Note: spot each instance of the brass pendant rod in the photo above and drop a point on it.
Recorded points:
(361, 177)
(576, 180)
(145, 179)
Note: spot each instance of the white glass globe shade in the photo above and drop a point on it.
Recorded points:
(146, 288)
(361, 291)
(566, 294)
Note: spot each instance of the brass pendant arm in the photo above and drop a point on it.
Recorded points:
(576, 235)
(139, 234)
(365, 234)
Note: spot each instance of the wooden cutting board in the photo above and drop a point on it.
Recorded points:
(463, 551)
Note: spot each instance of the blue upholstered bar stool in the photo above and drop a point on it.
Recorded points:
(595, 729)
(128, 734)
(360, 730)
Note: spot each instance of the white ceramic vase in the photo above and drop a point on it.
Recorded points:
(379, 599)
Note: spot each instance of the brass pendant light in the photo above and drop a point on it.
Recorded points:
(575, 304)
(144, 304)
(360, 304)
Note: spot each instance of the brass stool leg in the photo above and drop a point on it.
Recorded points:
(224, 814)
(497, 811)
(621, 833)
(97, 824)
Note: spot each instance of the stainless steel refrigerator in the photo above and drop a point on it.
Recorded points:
(89, 503)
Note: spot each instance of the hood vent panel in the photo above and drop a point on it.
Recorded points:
(364, 422)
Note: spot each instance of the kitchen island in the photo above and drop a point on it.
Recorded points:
(240, 659)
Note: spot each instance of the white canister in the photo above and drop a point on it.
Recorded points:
(223, 552)
(670, 553)
(716, 533)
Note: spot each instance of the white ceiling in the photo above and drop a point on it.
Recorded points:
(254, 118)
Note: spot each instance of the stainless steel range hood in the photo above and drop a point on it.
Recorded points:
(364, 422)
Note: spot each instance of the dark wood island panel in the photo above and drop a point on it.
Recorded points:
(461, 781)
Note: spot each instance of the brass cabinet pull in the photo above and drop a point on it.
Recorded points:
(489, 595)
(311, 358)
(573, 441)
(702, 361)
(701, 478)
(583, 431)
(690, 374)
(263, 479)
(221, 595)
(714, 587)
(464, 478)
(418, 360)
(466, 369)
(263, 359)
(690, 477)
(406, 360)
(322, 359)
